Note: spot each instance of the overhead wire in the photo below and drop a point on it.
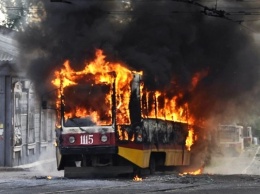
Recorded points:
(216, 11)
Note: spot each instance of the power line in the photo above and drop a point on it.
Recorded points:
(212, 12)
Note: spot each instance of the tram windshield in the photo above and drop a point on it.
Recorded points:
(87, 105)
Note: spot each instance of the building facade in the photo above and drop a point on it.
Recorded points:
(27, 132)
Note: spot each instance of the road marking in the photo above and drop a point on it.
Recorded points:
(244, 171)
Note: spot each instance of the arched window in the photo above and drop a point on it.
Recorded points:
(17, 114)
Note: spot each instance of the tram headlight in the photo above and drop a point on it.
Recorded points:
(104, 138)
(71, 139)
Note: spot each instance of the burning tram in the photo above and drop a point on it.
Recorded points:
(108, 119)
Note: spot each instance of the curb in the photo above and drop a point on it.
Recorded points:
(26, 166)
(11, 169)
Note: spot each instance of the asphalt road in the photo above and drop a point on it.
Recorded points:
(34, 181)
(235, 175)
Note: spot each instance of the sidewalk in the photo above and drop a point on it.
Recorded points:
(5, 169)
(41, 163)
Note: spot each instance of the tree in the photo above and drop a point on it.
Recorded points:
(13, 13)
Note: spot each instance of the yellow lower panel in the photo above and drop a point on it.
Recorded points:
(138, 157)
(176, 158)
(186, 159)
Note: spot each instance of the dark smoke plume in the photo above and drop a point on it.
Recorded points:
(169, 47)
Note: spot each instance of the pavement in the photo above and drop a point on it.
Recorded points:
(49, 163)
(11, 169)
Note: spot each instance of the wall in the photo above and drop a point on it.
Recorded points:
(26, 131)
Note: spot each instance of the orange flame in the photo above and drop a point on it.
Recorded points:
(100, 72)
(189, 139)
(136, 178)
(196, 172)
(197, 77)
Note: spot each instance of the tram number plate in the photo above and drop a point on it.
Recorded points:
(86, 139)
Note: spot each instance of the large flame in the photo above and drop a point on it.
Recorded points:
(99, 72)
(154, 104)
(190, 139)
